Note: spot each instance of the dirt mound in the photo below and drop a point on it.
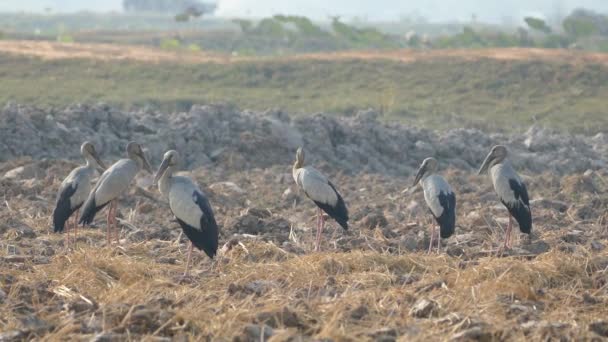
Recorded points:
(230, 139)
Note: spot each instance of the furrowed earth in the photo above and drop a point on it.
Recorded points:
(373, 282)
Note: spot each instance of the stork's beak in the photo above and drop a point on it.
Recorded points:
(486, 164)
(419, 175)
(147, 166)
(161, 170)
(99, 161)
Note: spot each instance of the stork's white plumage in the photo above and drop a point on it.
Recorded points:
(189, 205)
(510, 189)
(321, 191)
(440, 199)
(74, 190)
(315, 185)
(112, 183)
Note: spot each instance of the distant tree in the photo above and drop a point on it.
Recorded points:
(343, 30)
(244, 24)
(524, 37)
(470, 38)
(583, 23)
(303, 24)
(270, 27)
(537, 24)
(361, 37)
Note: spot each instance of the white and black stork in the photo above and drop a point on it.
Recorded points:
(74, 191)
(510, 189)
(112, 183)
(190, 207)
(440, 199)
(322, 192)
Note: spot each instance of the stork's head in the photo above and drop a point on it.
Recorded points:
(299, 158)
(170, 161)
(87, 149)
(496, 156)
(135, 152)
(428, 167)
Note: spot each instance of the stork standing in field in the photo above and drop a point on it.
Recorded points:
(510, 189)
(440, 199)
(189, 205)
(112, 183)
(321, 191)
(74, 191)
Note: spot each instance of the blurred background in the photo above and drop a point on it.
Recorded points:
(310, 56)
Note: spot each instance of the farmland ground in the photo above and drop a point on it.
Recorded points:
(365, 283)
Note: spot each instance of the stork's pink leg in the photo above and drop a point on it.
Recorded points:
(109, 225)
(432, 237)
(76, 225)
(113, 217)
(67, 235)
(73, 228)
(438, 237)
(116, 232)
(510, 230)
(508, 234)
(320, 230)
(188, 261)
(318, 237)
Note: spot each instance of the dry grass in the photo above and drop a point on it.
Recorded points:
(363, 290)
(320, 290)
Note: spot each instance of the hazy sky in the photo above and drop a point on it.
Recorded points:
(435, 10)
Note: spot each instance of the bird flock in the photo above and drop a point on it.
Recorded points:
(192, 210)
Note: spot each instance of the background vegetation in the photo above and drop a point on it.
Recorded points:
(441, 92)
(286, 34)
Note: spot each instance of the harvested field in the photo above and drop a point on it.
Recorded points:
(373, 282)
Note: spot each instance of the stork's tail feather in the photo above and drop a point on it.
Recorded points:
(89, 211)
(447, 225)
(205, 240)
(339, 212)
(61, 214)
(447, 220)
(523, 216)
(63, 208)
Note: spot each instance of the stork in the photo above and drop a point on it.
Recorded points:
(112, 183)
(440, 199)
(510, 189)
(74, 190)
(189, 205)
(322, 192)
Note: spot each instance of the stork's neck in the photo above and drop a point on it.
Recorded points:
(164, 183)
(90, 162)
(294, 170)
(426, 175)
(503, 161)
(138, 162)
